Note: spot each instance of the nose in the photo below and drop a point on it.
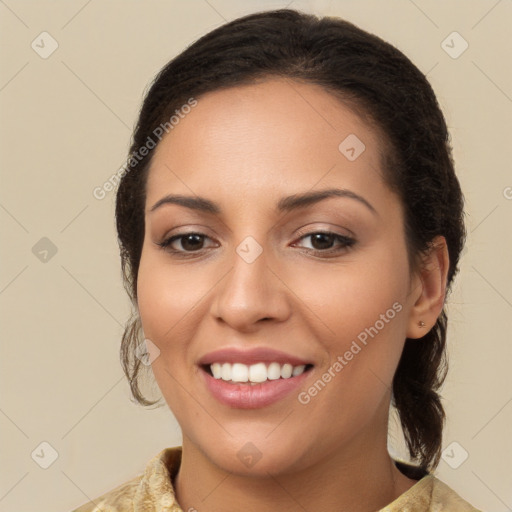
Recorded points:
(250, 294)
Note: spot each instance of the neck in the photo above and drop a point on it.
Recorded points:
(361, 476)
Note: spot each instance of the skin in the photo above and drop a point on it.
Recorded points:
(245, 148)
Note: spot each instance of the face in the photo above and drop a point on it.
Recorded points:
(323, 281)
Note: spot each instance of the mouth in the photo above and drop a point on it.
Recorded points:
(255, 386)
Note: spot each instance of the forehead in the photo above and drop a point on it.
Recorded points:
(268, 139)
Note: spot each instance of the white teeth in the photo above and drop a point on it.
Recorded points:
(298, 370)
(226, 371)
(216, 370)
(255, 373)
(239, 373)
(274, 371)
(286, 371)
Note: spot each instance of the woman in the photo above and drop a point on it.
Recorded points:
(290, 223)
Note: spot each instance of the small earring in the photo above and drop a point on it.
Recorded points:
(421, 323)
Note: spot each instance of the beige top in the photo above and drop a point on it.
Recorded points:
(153, 492)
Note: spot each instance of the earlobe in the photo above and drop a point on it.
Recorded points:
(432, 276)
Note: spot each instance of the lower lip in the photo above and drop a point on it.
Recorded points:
(247, 396)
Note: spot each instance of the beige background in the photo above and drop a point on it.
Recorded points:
(65, 127)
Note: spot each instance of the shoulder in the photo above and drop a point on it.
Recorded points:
(429, 494)
(154, 486)
(119, 499)
(445, 498)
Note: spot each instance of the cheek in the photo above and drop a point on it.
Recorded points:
(152, 301)
(348, 299)
(168, 303)
(363, 307)
(166, 297)
(173, 303)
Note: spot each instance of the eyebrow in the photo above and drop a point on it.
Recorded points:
(285, 204)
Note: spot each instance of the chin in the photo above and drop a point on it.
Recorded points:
(258, 458)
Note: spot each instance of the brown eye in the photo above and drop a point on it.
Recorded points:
(328, 242)
(192, 242)
(184, 243)
(322, 241)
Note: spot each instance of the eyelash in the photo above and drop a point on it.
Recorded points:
(345, 241)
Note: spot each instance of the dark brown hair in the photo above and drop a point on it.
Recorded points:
(375, 79)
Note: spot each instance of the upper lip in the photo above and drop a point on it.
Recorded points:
(251, 356)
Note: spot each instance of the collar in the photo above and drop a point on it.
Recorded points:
(155, 490)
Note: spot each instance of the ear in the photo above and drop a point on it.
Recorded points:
(429, 288)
